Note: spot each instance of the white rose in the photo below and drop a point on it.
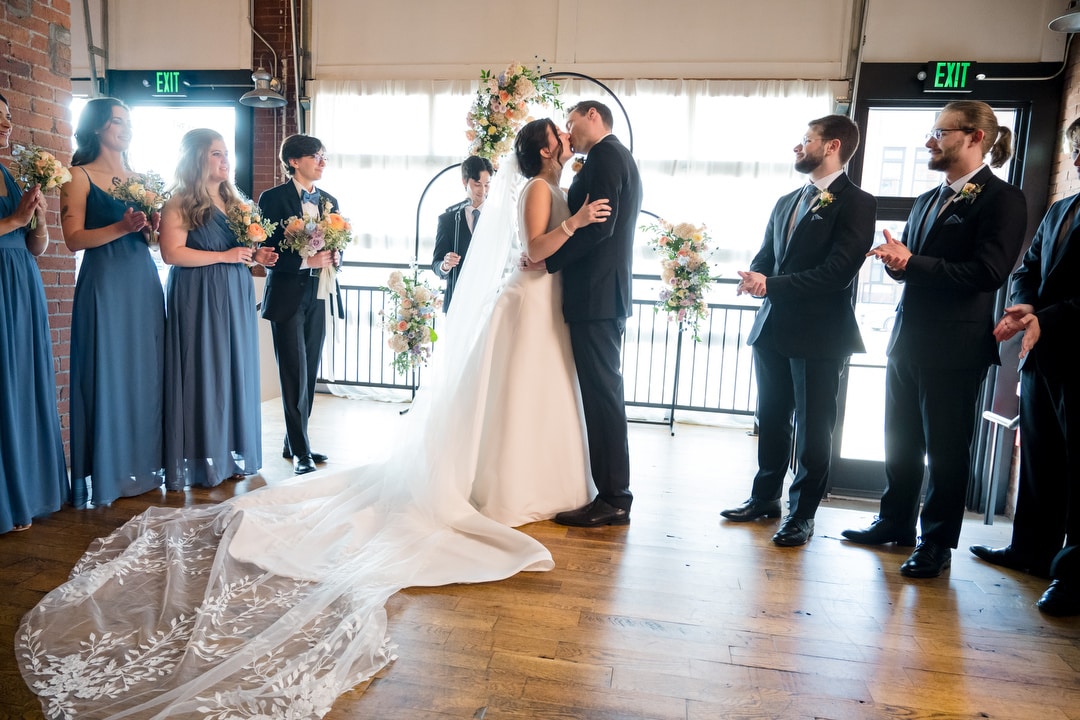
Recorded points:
(422, 295)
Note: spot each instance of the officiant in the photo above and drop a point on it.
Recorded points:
(457, 223)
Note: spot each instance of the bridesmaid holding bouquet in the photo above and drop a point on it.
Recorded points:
(33, 476)
(117, 319)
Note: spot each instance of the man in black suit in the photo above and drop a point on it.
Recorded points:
(596, 274)
(1045, 306)
(290, 302)
(960, 243)
(456, 225)
(805, 331)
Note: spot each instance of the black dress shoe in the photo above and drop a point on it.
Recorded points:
(928, 560)
(319, 458)
(303, 465)
(594, 514)
(794, 531)
(753, 509)
(1007, 557)
(1060, 599)
(881, 532)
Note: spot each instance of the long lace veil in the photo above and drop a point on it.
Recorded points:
(272, 604)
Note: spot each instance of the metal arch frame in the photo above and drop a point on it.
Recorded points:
(594, 81)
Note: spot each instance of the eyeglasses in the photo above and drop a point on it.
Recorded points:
(319, 157)
(937, 133)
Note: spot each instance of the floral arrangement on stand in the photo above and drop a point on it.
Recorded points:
(502, 107)
(308, 235)
(36, 166)
(247, 224)
(683, 271)
(144, 192)
(409, 320)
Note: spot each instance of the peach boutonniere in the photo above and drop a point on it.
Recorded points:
(969, 192)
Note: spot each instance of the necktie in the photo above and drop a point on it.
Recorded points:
(475, 218)
(935, 209)
(310, 198)
(808, 194)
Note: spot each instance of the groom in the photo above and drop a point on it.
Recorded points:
(596, 272)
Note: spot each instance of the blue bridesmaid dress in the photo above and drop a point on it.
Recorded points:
(117, 359)
(33, 476)
(213, 415)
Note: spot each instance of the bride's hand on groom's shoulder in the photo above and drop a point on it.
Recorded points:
(592, 212)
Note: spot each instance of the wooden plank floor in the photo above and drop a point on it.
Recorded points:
(676, 617)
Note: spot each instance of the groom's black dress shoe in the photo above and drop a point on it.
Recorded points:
(753, 509)
(594, 514)
(1007, 557)
(928, 560)
(881, 532)
(1060, 599)
(303, 465)
(794, 531)
(319, 458)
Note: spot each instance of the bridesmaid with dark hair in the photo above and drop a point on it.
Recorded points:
(33, 477)
(213, 416)
(117, 320)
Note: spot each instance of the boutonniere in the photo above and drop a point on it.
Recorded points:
(577, 163)
(824, 199)
(969, 192)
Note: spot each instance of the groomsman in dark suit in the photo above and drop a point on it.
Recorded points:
(297, 316)
(596, 273)
(960, 243)
(805, 331)
(1046, 308)
(456, 225)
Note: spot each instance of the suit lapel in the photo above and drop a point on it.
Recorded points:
(953, 207)
(1062, 237)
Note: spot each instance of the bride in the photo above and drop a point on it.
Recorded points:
(272, 604)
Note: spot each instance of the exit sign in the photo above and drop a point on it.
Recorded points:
(167, 82)
(956, 76)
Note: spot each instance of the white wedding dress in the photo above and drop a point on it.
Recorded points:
(271, 605)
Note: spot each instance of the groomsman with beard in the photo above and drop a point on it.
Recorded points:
(960, 243)
(805, 331)
(457, 224)
(1046, 309)
(596, 274)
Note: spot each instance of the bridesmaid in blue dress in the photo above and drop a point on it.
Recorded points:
(117, 320)
(33, 476)
(213, 416)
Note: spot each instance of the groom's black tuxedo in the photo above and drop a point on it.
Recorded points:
(596, 273)
(297, 317)
(804, 333)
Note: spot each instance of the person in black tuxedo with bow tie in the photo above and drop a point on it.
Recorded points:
(960, 243)
(456, 225)
(290, 301)
(1045, 307)
(596, 264)
(805, 331)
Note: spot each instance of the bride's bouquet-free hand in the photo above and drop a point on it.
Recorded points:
(36, 166)
(683, 271)
(502, 107)
(144, 192)
(409, 320)
(307, 235)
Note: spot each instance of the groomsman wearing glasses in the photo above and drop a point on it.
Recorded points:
(457, 224)
(297, 316)
(960, 243)
(805, 331)
(1045, 307)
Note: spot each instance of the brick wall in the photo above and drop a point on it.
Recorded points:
(35, 77)
(271, 20)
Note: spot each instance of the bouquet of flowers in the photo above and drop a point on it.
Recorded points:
(36, 166)
(683, 270)
(501, 108)
(409, 321)
(308, 235)
(144, 192)
(246, 221)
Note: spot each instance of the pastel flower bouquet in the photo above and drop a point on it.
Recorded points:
(36, 166)
(683, 271)
(409, 320)
(247, 224)
(309, 234)
(502, 107)
(144, 192)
